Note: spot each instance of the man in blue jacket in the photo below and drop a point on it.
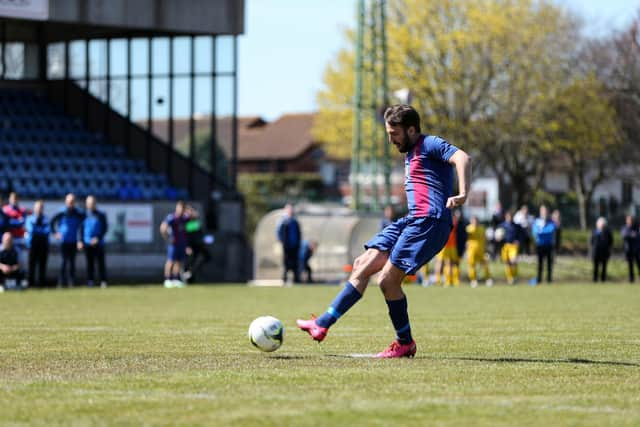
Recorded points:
(65, 226)
(544, 231)
(92, 231)
(37, 229)
(290, 236)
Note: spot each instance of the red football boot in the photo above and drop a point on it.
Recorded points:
(398, 350)
(312, 328)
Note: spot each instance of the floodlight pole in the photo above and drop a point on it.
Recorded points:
(357, 121)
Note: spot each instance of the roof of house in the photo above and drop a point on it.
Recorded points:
(285, 138)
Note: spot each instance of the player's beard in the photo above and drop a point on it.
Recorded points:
(406, 144)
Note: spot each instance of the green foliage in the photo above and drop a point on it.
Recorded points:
(550, 355)
(265, 192)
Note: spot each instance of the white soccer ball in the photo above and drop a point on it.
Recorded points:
(266, 333)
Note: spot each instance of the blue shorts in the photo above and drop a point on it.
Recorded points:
(176, 252)
(412, 242)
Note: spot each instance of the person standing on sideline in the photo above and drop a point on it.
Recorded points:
(173, 230)
(631, 244)
(65, 225)
(17, 215)
(290, 236)
(198, 254)
(92, 231)
(307, 249)
(557, 220)
(601, 243)
(497, 218)
(524, 220)
(476, 237)
(408, 243)
(11, 276)
(510, 247)
(544, 233)
(37, 229)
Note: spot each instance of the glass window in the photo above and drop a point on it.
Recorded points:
(98, 88)
(202, 116)
(204, 52)
(55, 61)
(118, 95)
(77, 63)
(160, 107)
(98, 58)
(118, 60)
(224, 54)
(160, 52)
(181, 55)
(139, 57)
(139, 99)
(224, 126)
(14, 60)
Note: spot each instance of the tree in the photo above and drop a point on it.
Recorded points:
(480, 72)
(583, 129)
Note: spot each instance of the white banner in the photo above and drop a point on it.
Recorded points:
(128, 223)
(27, 9)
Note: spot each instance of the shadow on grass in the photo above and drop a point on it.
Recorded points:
(524, 360)
(285, 357)
(576, 361)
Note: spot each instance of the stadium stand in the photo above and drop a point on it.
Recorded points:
(45, 153)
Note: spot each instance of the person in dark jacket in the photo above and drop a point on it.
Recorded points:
(93, 228)
(197, 254)
(290, 236)
(544, 233)
(601, 243)
(307, 249)
(631, 245)
(65, 226)
(37, 228)
(11, 276)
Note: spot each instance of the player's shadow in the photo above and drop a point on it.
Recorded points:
(285, 357)
(552, 361)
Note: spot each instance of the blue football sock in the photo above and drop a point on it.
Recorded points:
(347, 297)
(400, 319)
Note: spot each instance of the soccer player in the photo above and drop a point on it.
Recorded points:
(510, 247)
(17, 215)
(601, 244)
(173, 230)
(92, 231)
(65, 225)
(37, 239)
(10, 274)
(544, 232)
(408, 243)
(450, 256)
(476, 252)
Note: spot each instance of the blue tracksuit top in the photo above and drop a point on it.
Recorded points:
(94, 225)
(544, 232)
(67, 222)
(36, 227)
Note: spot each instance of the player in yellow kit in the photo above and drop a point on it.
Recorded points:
(476, 252)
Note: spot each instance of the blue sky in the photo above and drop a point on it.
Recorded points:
(287, 44)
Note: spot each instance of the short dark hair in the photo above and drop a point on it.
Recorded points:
(402, 115)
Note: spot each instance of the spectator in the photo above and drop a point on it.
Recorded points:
(17, 215)
(601, 243)
(10, 273)
(524, 220)
(631, 245)
(557, 220)
(497, 218)
(173, 230)
(544, 230)
(290, 236)
(93, 228)
(65, 226)
(7, 223)
(510, 247)
(307, 249)
(37, 240)
(476, 252)
(387, 216)
(197, 252)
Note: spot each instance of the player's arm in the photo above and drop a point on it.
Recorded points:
(462, 162)
(164, 230)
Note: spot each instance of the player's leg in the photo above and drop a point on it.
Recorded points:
(472, 261)
(390, 281)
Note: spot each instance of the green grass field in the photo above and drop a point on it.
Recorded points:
(501, 356)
